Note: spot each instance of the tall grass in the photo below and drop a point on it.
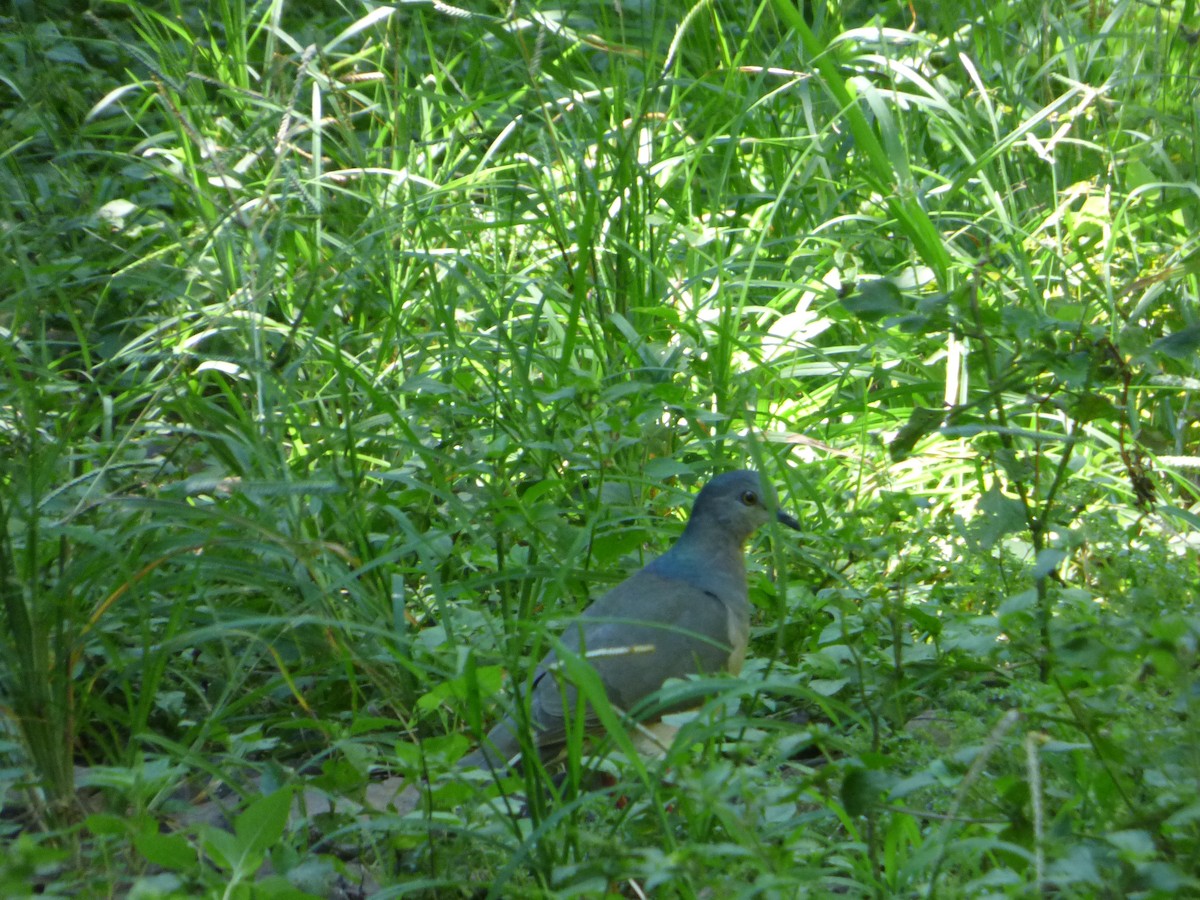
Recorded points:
(349, 350)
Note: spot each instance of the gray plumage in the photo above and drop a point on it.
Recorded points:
(686, 612)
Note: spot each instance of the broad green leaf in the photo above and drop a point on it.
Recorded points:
(224, 850)
(1047, 561)
(1182, 345)
(999, 515)
(171, 851)
(261, 825)
(863, 788)
(873, 300)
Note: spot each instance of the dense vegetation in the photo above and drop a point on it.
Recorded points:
(347, 348)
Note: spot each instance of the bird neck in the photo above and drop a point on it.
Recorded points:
(708, 559)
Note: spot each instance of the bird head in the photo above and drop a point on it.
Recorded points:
(737, 503)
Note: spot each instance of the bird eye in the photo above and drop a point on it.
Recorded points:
(750, 498)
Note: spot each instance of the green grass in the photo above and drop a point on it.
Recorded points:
(346, 353)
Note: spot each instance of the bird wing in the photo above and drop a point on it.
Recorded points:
(644, 631)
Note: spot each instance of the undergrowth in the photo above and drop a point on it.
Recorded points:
(349, 350)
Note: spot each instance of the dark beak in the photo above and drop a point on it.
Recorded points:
(787, 520)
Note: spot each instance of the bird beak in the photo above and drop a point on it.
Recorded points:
(789, 521)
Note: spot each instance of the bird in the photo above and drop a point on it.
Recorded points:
(686, 612)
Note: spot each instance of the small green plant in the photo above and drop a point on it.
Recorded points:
(345, 353)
